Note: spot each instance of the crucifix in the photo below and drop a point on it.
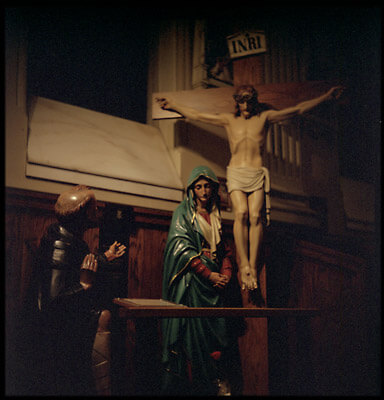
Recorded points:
(245, 112)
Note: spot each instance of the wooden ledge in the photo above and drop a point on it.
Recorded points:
(131, 310)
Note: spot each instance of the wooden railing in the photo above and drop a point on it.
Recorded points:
(283, 154)
(285, 146)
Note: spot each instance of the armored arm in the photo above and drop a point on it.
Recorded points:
(65, 274)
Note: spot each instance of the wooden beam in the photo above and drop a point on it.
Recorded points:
(128, 310)
(220, 100)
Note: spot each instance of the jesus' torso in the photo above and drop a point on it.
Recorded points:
(246, 140)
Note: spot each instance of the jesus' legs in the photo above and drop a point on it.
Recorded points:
(248, 279)
(255, 204)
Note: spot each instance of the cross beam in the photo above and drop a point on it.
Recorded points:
(220, 100)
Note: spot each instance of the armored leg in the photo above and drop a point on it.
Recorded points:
(101, 355)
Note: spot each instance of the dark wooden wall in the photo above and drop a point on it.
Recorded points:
(339, 353)
(332, 354)
(336, 283)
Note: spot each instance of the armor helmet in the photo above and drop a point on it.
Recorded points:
(71, 203)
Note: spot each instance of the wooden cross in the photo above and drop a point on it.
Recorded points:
(218, 100)
(247, 70)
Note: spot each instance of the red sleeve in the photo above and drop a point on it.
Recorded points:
(199, 268)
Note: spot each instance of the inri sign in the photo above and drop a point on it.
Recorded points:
(246, 43)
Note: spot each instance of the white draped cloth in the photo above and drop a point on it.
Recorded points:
(248, 180)
(211, 232)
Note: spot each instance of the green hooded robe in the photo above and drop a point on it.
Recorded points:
(189, 342)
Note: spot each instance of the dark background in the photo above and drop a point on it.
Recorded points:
(97, 58)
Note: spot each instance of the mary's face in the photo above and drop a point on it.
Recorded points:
(203, 191)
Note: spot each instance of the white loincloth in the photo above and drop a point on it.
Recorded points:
(248, 180)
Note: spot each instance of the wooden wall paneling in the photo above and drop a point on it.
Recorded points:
(24, 229)
(333, 345)
(130, 373)
(249, 70)
(299, 379)
(146, 252)
(253, 345)
(145, 270)
(254, 357)
(281, 331)
(145, 273)
(333, 282)
(24, 222)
